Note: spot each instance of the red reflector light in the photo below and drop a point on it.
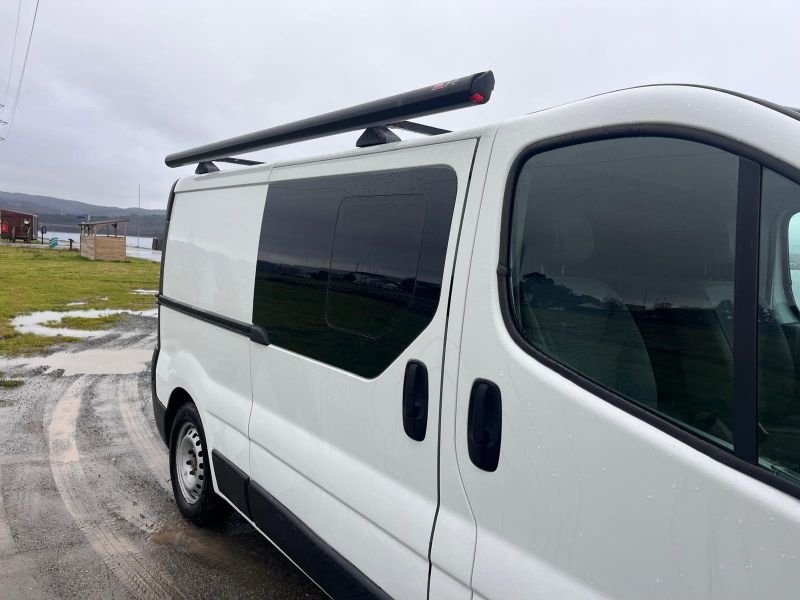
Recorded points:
(476, 98)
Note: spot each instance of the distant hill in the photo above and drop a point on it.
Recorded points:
(64, 215)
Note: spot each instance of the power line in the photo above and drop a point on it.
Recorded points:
(13, 54)
(21, 75)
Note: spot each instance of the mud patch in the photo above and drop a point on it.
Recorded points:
(192, 542)
(33, 427)
(213, 545)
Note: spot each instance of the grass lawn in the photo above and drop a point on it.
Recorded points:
(89, 323)
(42, 279)
(9, 383)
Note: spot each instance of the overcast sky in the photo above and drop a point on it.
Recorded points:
(112, 87)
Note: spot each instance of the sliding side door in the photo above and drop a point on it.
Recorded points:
(351, 293)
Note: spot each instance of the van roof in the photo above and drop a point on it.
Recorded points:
(789, 111)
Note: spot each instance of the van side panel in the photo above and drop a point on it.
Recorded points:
(212, 246)
(211, 365)
(209, 266)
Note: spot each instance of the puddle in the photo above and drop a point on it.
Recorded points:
(193, 543)
(79, 303)
(89, 362)
(34, 322)
(143, 292)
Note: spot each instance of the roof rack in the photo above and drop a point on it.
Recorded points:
(378, 116)
(206, 166)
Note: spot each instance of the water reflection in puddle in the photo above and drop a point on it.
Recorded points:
(35, 322)
(100, 361)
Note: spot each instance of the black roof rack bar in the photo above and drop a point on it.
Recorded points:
(417, 128)
(449, 95)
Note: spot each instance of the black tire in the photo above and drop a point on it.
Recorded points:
(200, 504)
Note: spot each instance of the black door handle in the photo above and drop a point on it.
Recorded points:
(415, 400)
(484, 424)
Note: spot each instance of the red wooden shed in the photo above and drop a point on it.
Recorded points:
(18, 226)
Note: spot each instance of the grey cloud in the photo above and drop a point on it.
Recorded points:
(113, 87)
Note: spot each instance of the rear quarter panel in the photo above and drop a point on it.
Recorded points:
(209, 264)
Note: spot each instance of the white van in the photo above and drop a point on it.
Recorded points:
(552, 358)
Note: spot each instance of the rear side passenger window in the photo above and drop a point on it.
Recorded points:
(350, 267)
(374, 262)
(621, 265)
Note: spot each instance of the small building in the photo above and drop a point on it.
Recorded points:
(104, 240)
(16, 226)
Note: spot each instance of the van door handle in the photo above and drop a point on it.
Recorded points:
(484, 424)
(415, 400)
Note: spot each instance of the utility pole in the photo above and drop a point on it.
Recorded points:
(139, 232)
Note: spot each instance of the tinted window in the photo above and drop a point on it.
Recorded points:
(622, 269)
(779, 326)
(374, 262)
(793, 254)
(350, 267)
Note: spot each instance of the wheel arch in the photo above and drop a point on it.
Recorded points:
(177, 398)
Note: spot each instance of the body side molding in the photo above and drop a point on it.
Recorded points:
(318, 560)
(322, 563)
(207, 316)
(159, 410)
(232, 481)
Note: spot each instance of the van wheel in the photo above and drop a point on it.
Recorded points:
(190, 470)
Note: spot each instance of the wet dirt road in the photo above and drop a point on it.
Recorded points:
(86, 507)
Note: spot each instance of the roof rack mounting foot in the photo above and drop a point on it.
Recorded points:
(206, 166)
(418, 128)
(375, 136)
(239, 161)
